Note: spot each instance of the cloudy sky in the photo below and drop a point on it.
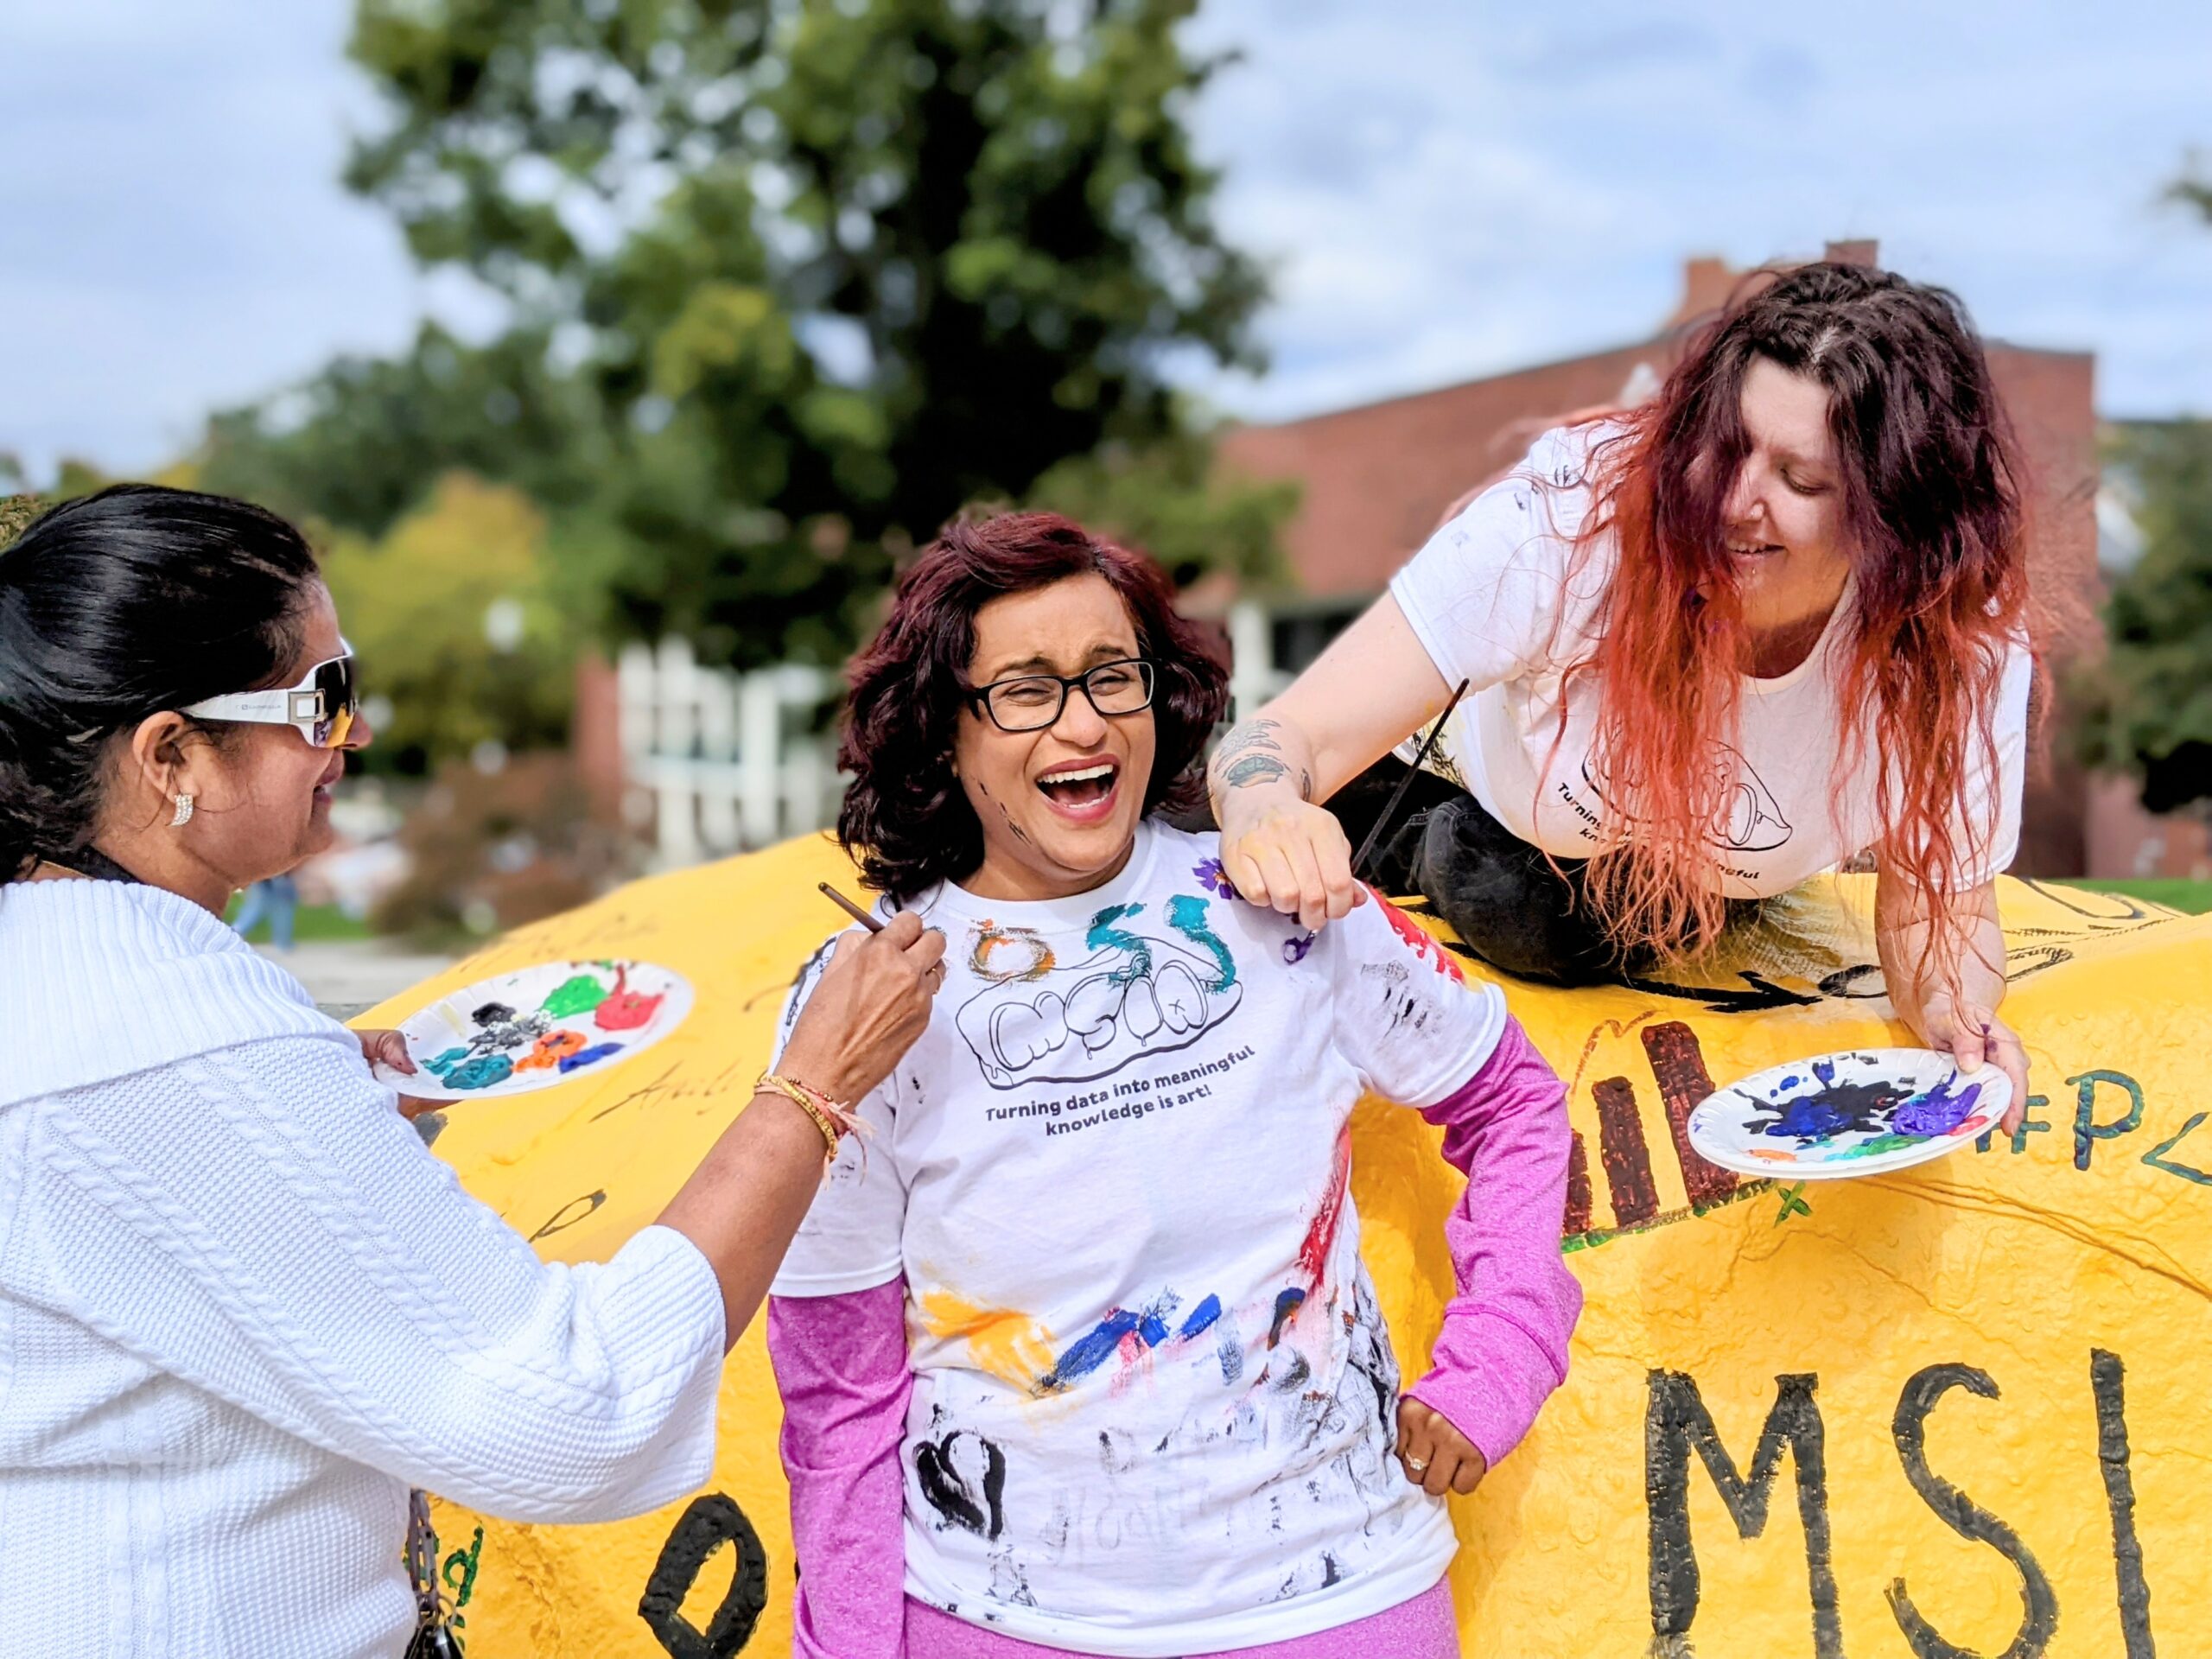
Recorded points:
(1443, 187)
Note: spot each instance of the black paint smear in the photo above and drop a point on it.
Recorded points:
(2038, 1602)
(1674, 1421)
(2108, 1382)
(963, 1503)
(568, 1215)
(711, 1523)
(1620, 1147)
(1759, 994)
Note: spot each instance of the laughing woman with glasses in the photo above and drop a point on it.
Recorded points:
(1077, 1353)
(242, 1309)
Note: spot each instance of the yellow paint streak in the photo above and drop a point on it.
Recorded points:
(1010, 1346)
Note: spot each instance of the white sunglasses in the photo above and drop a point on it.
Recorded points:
(323, 708)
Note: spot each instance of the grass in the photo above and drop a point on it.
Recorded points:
(2195, 896)
(312, 923)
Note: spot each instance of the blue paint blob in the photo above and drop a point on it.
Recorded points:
(481, 1073)
(1202, 1317)
(1091, 1351)
(1937, 1112)
(591, 1056)
(446, 1061)
(1287, 1304)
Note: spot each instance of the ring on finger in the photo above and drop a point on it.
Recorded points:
(1417, 1466)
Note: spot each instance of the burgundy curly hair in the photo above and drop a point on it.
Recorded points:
(905, 819)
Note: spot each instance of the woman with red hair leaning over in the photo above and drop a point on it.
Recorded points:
(1714, 644)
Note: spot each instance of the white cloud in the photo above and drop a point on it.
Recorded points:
(1444, 188)
(1561, 165)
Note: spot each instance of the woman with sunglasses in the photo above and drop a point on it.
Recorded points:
(242, 1309)
(1076, 1349)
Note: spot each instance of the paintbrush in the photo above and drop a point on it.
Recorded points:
(1398, 795)
(849, 907)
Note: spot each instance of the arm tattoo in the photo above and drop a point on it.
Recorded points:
(1252, 754)
(1253, 769)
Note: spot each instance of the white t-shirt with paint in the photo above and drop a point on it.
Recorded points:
(1155, 1400)
(1496, 599)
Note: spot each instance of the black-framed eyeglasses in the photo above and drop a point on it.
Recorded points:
(1030, 702)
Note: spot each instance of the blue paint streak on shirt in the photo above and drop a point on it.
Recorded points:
(1104, 936)
(1187, 914)
(1093, 1350)
(1287, 1304)
(1201, 1317)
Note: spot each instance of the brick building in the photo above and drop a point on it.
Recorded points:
(1377, 478)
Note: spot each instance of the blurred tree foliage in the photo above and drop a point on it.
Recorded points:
(790, 281)
(464, 636)
(2147, 707)
(367, 439)
(1168, 498)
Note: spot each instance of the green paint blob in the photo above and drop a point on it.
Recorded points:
(580, 995)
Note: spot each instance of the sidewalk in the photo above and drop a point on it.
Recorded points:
(348, 977)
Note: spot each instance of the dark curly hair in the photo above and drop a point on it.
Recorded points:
(905, 818)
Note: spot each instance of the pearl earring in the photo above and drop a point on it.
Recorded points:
(183, 812)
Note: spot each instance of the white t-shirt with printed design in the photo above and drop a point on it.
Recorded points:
(1155, 1400)
(1496, 598)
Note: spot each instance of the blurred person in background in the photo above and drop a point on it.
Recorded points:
(274, 901)
(1078, 1351)
(242, 1308)
(1715, 645)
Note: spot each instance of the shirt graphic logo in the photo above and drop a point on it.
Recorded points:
(1138, 993)
(1754, 823)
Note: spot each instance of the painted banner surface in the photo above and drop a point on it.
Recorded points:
(1950, 1411)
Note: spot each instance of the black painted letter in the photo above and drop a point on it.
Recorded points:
(2039, 1604)
(1674, 1420)
(711, 1523)
(2108, 1381)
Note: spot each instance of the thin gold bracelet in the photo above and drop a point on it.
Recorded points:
(808, 1101)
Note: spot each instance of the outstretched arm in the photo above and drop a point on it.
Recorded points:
(1502, 1349)
(1373, 687)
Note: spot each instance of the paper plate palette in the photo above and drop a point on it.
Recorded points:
(538, 1026)
(1865, 1111)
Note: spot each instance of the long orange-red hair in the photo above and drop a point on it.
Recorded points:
(1933, 517)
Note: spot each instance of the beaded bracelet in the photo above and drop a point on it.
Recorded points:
(834, 1120)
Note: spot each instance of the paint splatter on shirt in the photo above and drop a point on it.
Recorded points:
(1149, 1368)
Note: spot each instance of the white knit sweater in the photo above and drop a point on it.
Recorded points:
(242, 1309)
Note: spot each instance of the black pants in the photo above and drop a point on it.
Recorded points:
(1501, 896)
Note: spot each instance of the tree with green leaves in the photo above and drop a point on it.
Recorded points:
(2148, 707)
(797, 278)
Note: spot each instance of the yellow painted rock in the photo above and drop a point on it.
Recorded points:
(1951, 1411)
